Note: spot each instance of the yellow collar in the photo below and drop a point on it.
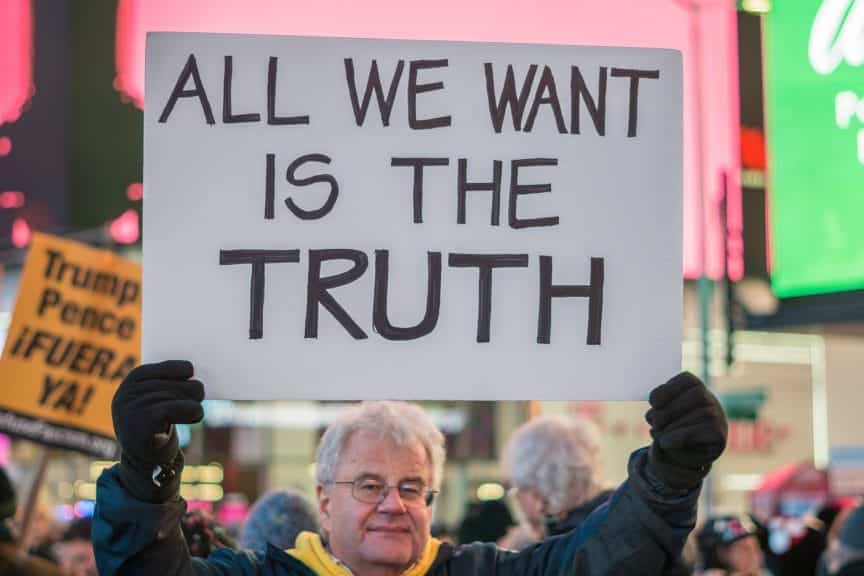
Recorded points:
(309, 550)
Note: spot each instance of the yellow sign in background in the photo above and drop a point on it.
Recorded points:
(75, 333)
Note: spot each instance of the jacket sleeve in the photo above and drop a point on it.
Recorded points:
(640, 530)
(132, 537)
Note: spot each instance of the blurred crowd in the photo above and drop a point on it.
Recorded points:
(554, 479)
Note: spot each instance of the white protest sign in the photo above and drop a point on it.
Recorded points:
(342, 218)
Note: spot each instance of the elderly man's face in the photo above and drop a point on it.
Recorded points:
(376, 538)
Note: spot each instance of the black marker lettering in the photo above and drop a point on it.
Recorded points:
(508, 98)
(50, 299)
(546, 93)
(596, 108)
(272, 81)
(258, 259)
(228, 117)
(373, 83)
(327, 178)
(433, 299)
(270, 187)
(593, 291)
(517, 190)
(317, 291)
(634, 75)
(485, 264)
(464, 186)
(48, 387)
(418, 164)
(189, 70)
(414, 89)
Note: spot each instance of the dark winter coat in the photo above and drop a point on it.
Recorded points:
(642, 526)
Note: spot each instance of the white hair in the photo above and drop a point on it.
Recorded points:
(402, 423)
(558, 457)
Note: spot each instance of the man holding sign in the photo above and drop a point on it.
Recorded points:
(325, 219)
(379, 468)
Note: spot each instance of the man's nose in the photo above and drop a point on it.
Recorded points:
(392, 503)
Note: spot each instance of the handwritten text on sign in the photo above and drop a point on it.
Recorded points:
(73, 338)
(327, 218)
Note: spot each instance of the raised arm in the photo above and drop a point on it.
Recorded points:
(136, 527)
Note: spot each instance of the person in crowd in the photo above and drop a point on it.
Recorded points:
(379, 469)
(12, 561)
(203, 534)
(74, 551)
(485, 521)
(730, 545)
(276, 519)
(845, 555)
(793, 545)
(553, 469)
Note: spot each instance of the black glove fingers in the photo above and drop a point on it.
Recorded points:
(689, 401)
(153, 390)
(167, 370)
(694, 442)
(179, 412)
(703, 419)
(697, 415)
(191, 389)
(140, 404)
(667, 392)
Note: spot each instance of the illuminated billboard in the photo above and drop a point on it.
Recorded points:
(814, 50)
(604, 23)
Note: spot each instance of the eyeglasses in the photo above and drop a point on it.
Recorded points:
(413, 493)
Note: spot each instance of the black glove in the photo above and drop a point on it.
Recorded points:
(689, 431)
(147, 404)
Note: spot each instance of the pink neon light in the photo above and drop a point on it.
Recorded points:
(643, 23)
(21, 233)
(124, 229)
(16, 58)
(135, 191)
(5, 146)
(5, 449)
(11, 199)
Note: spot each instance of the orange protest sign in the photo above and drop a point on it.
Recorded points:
(75, 333)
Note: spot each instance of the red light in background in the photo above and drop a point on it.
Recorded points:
(752, 148)
(11, 199)
(135, 191)
(16, 58)
(124, 229)
(21, 233)
(5, 146)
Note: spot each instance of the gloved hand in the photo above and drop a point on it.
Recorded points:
(147, 404)
(689, 431)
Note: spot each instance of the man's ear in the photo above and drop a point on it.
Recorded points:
(324, 501)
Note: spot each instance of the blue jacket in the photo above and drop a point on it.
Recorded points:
(639, 530)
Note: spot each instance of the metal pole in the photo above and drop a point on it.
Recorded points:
(694, 9)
